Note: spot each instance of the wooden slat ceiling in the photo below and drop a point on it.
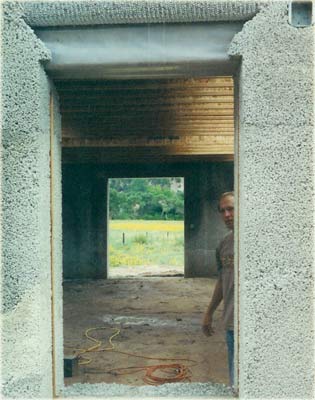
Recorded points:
(117, 121)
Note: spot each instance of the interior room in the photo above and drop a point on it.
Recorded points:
(143, 128)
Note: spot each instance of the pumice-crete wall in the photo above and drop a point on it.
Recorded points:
(27, 245)
(276, 197)
(274, 186)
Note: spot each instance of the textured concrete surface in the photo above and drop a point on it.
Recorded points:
(169, 390)
(276, 221)
(26, 244)
(26, 320)
(99, 12)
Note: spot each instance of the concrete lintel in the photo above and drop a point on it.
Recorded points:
(133, 51)
(100, 12)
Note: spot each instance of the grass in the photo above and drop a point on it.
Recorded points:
(146, 243)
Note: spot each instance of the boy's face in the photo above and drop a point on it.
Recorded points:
(227, 211)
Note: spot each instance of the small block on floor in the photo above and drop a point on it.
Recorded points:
(70, 366)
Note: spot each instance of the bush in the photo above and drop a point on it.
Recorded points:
(148, 199)
(140, 239)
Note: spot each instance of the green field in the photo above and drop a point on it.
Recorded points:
(145, 243)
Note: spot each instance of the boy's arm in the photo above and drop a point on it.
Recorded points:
(215, 301)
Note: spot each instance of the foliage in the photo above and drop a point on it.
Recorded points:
(162, 243)
(148, 199)
(140, 239)
(117, 259)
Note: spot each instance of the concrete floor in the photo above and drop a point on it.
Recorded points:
(158, 317)
(145, 271)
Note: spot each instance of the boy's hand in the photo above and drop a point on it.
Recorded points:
(207, 326)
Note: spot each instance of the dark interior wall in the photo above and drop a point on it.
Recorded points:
(203, 225)
(85, 213)
(84, 223)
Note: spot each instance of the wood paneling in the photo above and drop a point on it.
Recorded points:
(134, 120)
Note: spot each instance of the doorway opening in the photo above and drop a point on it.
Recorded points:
(146, 227)
(181, 129)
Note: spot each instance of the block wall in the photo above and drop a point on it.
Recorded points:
(276, 198)
(26, 339)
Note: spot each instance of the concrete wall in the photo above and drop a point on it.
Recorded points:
(276, 219)
(204, 183)
(103, 12)
(84, 202)
(26, 340)
(85, 214)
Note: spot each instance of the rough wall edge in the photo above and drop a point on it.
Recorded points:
(12, 17)
(98, 12)
(279, 10)
(241, 46)
(56, 215)
(25, 178)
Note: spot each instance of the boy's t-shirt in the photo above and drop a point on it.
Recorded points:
(225, 264)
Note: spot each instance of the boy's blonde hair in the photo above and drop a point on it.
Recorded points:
(226, 194)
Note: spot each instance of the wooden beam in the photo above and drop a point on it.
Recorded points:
(148, 119)
(144, 100)
(175, 117)
(193, 142)
(146, 84)
(129, 93)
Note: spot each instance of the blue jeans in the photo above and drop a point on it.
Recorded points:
(230, 348)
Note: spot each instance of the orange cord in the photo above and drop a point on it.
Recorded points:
(177, 372)
(182, 373)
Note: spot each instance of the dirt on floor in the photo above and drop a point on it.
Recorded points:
(156, 317)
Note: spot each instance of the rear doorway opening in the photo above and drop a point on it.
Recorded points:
(146, 227)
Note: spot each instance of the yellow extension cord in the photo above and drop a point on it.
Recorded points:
(178, 372)
(96, 347)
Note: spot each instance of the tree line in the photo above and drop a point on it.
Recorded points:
(148, 199)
